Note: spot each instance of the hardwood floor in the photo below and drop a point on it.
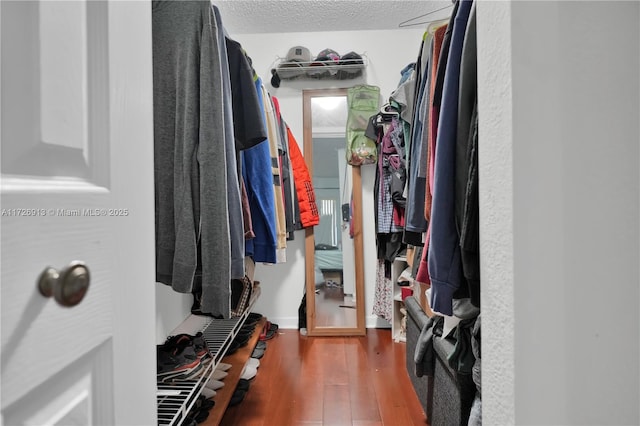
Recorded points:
(330, 381)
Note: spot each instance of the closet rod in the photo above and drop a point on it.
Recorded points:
(408, 24)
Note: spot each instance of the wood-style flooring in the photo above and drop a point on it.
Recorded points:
(330, 381)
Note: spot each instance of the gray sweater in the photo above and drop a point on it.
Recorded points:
(190, 165)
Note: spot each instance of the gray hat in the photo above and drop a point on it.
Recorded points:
(298, 54)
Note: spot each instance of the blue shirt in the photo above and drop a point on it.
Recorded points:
(256, 171)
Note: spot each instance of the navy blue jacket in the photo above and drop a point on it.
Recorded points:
(445, 267)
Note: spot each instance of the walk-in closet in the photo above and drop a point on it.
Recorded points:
(256, 212)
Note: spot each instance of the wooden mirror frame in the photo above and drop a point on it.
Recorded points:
(312, 328)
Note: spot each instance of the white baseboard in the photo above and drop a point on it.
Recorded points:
(288, 323)
(291, 323)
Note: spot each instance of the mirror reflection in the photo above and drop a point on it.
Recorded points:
(334, 272)
(334, 254)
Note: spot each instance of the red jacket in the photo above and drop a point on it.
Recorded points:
(309, 215)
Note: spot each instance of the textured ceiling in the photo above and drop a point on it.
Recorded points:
(281, 16)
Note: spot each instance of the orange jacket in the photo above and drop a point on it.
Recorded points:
(309, 215)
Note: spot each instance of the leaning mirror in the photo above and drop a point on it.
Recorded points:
(334, 252)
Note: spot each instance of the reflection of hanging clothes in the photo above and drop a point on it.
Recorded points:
(352, 230)
(309, 215)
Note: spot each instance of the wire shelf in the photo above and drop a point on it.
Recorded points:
(345, 69)
(176, 398)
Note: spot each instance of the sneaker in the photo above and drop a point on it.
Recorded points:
(254, 316)
(176, 366)
(257, 353)
(243, 384)
(178, 342)
(224, 367)
(253, 362)
(219, 374)
(247, 328)
(207, 393)
(238, 396)
(268, 331)
(242, 338)
(196, 374)
(248, 372)
(233, 347)
(214, 384)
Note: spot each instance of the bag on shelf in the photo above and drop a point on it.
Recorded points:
(240, 295)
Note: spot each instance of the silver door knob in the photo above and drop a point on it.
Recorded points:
(68, 286)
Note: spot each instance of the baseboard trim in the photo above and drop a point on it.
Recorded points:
(291, 323)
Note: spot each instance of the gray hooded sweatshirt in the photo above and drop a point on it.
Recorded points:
(190, 165)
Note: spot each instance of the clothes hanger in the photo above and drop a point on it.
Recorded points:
(434, 25)
(386, 111)
(410, 23)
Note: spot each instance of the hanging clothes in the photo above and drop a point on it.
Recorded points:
(285, 172)
(234, 203)
(391, 167)
(246, 213)
(248, 123)
(445, 268)
(442, 40)
(189, 152)
(383, 296)
(416, 222)
(466, 183)
(274, 142)
(258, 177)
(309, 214)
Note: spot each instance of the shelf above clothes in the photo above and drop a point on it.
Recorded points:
(345, 69)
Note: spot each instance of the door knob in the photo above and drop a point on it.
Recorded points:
(68, 286)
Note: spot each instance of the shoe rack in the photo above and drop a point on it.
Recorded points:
(237, 360)
(175, 399)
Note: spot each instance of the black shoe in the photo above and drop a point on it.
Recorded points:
(243, 384)
(247, 328)
(254, 316)
(238, 396)
(257, 353)
(180, 341)
(196, 309)
(242, 338)
(233, 347)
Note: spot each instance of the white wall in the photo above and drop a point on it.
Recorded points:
(559, 161)
(172, 308)
(387, 52)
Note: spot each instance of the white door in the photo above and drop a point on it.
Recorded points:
(77, 185)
